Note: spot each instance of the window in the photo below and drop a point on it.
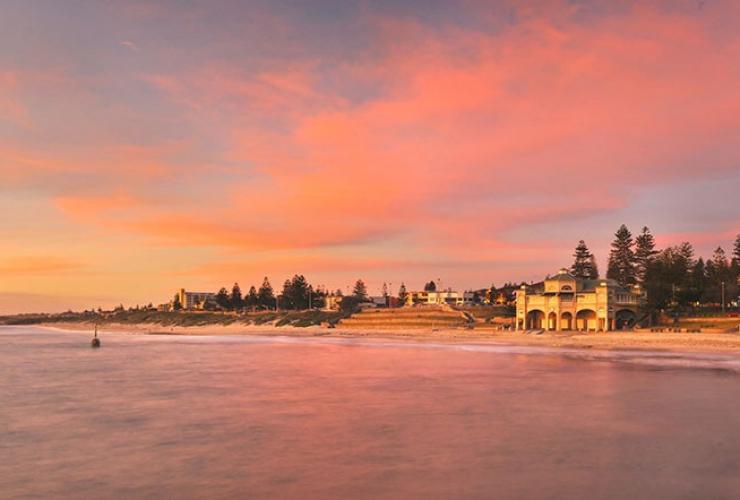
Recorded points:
(566, 288)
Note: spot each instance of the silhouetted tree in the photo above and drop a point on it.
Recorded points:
(176, 305)
(593, 269)
(669, 281)
(735, 266)
(644, 254)
(265, 295)
(622, 258)
(222, 299)
(402, 294)
(491, 294)
(430, 287)
(718, 272)
(236, 300)
(584, 264)
(252, 300)
(296, 293)
(360, 290)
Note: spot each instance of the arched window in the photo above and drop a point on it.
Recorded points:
(566, 288)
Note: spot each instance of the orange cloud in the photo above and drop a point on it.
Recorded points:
(37, 265)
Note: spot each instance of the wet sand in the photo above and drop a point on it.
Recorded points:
(638, 340)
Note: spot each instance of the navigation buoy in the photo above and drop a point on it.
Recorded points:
(95, 342)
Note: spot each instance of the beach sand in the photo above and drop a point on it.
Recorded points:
(626, 340)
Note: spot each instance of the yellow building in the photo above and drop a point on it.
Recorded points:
(194, 300)
(332, 302)
(564, 302)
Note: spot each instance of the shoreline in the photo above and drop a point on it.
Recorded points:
(728, 343)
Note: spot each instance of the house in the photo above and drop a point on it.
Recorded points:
(564, 302)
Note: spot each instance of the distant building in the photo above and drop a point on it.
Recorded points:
(332, 302)
(195, 300)
(448, 297)
(565, 302)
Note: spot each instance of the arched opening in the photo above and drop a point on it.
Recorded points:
(535, 320)
(566, 321)
(624, 319)
(586, 320)
(552, 321)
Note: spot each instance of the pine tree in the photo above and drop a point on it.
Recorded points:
(698, 281)
(402, 294)
(252, 299)
(265, 295)
(222, 299)
(430, 287)
(736, 251)
(296, 292)
(286, 299)
(622, 258)
(176, 305)
(236, 297)
(594, 269)
(644, 254)
(721, 266)
(584, 265)
(360, 290)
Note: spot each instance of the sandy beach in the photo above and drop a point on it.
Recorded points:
(627, 340)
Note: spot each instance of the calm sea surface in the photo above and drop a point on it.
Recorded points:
(225, 417)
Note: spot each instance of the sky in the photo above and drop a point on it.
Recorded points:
(148, 146)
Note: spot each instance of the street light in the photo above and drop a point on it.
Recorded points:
(723, 297)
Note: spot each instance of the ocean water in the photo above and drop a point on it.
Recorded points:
(236, 417)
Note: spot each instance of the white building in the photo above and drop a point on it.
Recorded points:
(448, 297)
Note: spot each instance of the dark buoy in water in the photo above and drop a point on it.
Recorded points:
(95, 342)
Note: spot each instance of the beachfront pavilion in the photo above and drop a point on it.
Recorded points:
(564, 302)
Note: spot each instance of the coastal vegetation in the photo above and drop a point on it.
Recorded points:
(182, 318)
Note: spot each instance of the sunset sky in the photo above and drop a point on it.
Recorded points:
(146, 146)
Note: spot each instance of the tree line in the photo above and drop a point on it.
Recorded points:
(672, 277)
(297, 294)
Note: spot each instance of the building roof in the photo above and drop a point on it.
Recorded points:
(562, 277)
(582, 284)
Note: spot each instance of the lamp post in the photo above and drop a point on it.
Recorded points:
(277, 303)
(723, 297)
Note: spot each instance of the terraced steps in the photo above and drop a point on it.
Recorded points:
(406, 318)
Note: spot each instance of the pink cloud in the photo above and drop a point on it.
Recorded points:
(467, 124)
(441, 141)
